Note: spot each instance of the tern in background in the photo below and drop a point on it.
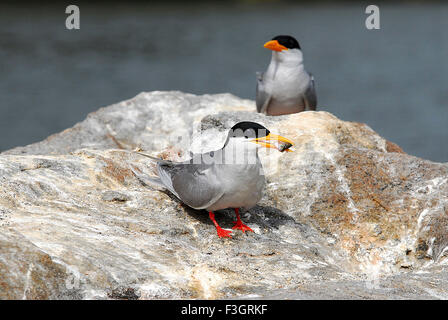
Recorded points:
(286, 87)
(230, 177)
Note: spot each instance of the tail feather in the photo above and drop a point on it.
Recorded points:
(154, 158)
(163, 181)
(150, 181)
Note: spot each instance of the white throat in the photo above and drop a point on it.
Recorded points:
(287, 65)
(288, 57)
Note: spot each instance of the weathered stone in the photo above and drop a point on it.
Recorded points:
(28, 273)
(347, 215)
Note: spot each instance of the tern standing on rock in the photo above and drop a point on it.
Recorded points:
(286, 87)
(230, 177)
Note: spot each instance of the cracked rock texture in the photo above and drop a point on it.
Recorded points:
(348, 215)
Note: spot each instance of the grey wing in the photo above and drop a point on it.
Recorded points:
(310, 96)
(262, 97)
(193, 184)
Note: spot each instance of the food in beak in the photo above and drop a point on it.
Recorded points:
(284, 146)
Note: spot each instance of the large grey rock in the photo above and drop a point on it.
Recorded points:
(347, 215)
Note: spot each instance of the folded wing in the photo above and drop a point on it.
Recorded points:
(194, 184)
(262, 97)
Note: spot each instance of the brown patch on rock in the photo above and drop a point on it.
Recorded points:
(392, 147)
(28, 273)
(433, 235)
(368, 203)
(117, 172)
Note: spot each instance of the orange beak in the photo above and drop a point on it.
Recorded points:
(274, 141)
(274, 46)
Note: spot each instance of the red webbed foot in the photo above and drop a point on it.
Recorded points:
(221, 232)
(239, 224)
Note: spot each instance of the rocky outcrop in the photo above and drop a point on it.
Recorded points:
(347, 215)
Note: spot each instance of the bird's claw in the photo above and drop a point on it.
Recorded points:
(222, 233)
(241, 226)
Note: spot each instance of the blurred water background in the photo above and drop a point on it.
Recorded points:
(394, 79)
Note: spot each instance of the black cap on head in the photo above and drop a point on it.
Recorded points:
(287, 41)
(248, 129)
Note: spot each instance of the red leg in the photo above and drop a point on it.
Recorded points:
(221, 232)
(239, 224)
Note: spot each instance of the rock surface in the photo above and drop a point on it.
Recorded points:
(348, 215)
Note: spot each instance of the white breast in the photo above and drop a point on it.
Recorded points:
(286, 80)
(288, 83)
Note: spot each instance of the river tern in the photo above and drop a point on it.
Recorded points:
(231, 177)
(286, 87)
